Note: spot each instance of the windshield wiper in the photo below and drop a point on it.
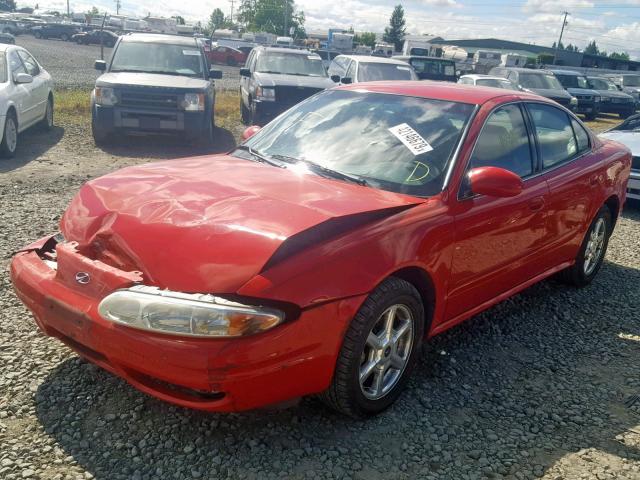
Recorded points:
(259, 156)
(322, 170)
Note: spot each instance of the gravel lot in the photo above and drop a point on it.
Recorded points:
(545, 385)
(71, 65)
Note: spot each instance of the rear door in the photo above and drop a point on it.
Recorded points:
(572, 170)
(498, 240)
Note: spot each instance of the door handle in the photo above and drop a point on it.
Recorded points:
(536, 204)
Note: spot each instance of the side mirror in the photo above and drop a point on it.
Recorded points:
(215, 74)
(250, 132)
(21, 78)
(245, 72)
(100, 65)
(346, 80)
(495, 182)
(335, 78)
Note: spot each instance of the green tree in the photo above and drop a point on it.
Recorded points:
(216, 20)
(620, 56)
(277, 16)
(246, 13)
(592, 48)
(365, 38)
(94, 11)
(396, 30)
(7, 5)
(179, 20)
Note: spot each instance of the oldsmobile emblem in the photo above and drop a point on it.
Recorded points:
(83, 278)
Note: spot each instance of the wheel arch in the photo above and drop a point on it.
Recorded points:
(422, 281)
(613, 204)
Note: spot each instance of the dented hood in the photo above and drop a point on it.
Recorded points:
(210, 224)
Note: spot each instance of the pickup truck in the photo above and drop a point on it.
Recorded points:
(155, 84)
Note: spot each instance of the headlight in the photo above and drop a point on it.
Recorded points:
(266, 94)
(105, 96)
(174, 313)
(596, 99)
(193, 102)
(573, 101)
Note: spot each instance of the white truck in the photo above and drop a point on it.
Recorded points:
(284, 42)
(383, 50)
(418, 46)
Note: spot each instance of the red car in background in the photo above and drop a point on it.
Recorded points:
(319, 255)
(225, 55)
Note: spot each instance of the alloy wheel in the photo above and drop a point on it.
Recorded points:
(595, 246)
(11, 134)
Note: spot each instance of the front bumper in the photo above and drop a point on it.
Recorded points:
(294, 359)
(617, 107)
(633, 187)
(587, 107)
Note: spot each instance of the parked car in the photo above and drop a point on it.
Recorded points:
(627, 83)
(7, 38)
(96, 37)
(431, 68)
(275, 79)
(628, 133)
(541, 82)
(318, 256)
(226, 55)
(155, 84)
(577, 85)
(613, 100)
(61, 31)
(355, 69)
(26, 96)
(327, 56)
(487, 81)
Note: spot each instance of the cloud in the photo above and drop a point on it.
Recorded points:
(532, 6)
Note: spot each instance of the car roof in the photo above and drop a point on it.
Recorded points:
(421, 57)
(294, 51)
(566, 72)
(5, 46)
(478, 76)
(160, 38)
(525, 70)
(454, 92)
(372, 59)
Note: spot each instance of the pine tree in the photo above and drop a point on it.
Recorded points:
(396, 30)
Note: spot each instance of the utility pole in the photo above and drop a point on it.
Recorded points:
(68, 9)
(564, 24)
(231, 18)
(118, 5)
(286, 18)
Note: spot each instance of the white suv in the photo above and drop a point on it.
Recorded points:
(26, 96)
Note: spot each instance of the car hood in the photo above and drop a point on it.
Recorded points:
(276, 79)
(551, 93)
(122, 79)
(614, 94)
(630, 139)
(582, 91)
(210, 224)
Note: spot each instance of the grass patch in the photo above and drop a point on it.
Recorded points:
(74, 107)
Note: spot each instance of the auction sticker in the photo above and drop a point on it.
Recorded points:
(411, 139)
(195, 53)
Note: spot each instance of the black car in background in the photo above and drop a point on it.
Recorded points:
(155, 84)
(613, 100)
(96, 37)
(61, 31)
(541, 82)
(432, 68)
(276, 79)
(577, 85)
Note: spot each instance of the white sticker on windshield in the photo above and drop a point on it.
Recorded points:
(403, 68)
(411, 139)
(195, 53)
(314, 57)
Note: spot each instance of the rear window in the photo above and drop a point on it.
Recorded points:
(371, 72)
(540, 80)
(572, 81)
(290, 64)
(433, 67)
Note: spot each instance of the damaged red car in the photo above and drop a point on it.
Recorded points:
(319, 255)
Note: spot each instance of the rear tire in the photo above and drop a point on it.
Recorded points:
(592, 252)
(372, 368)
(591, 116)
(9, 143)
(37, 35)
(64, 37)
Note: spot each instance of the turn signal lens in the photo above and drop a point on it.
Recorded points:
(174, 313)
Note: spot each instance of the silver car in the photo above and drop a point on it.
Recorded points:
(628, 133)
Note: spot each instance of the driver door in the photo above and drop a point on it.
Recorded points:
(22, 92)
(498, 239)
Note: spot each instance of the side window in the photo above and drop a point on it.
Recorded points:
(581, 136)
(504, 142)
(555, 135)
(29, 62)
(15, 64)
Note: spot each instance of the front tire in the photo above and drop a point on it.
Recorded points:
(47, 122)
(592, 252)
(379, 351)
(9, 143)
(245, 114)
(64, 37)
(100, 137)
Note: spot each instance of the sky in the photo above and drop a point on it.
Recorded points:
(614, 24)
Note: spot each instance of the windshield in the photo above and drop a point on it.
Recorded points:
(290, 64)
(158, 58)
(397, 143)
(496, 83)
(433, 67)
(372, 72)
(631, 81)
(420, 52)
(602, 84)
(540, 80)
(572, 81)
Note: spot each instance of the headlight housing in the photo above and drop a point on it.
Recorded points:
(193, 102)
(573, 101)
(267, 94)
(597, 99)
(106, 96)
(182, 314)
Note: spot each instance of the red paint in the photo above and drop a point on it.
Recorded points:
(226, 56)
(250, 132)
(212, 224)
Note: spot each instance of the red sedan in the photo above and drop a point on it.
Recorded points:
(317, 257)
(226, 55)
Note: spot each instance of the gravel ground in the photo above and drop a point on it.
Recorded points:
(545, 385)
(71, 65)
